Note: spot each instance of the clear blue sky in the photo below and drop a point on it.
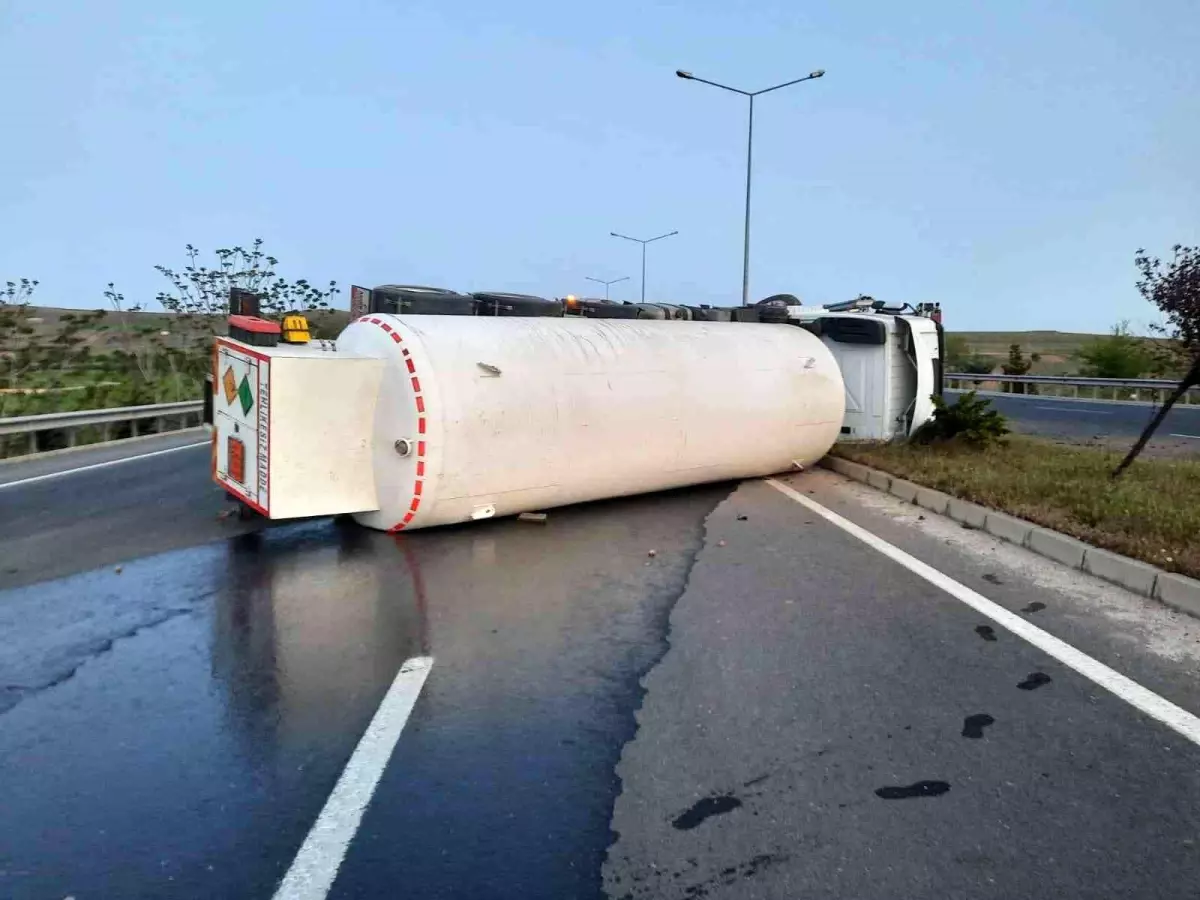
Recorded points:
(1005, 159)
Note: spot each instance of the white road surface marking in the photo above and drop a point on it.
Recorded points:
(1130, 691)
(1078, 412)
(101, 465)
(315, 867)
(1194, 437)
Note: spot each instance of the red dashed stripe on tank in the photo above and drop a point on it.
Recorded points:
(419, 400)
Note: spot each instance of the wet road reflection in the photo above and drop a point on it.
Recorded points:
(174, 729)
(195, 710)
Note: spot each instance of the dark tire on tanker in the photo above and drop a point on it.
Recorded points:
(780, 300)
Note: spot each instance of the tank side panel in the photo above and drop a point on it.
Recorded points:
(536, 413)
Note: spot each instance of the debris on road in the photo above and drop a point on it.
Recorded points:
(652, 553)
(539, 518)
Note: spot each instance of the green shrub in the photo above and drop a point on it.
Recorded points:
(970, 421)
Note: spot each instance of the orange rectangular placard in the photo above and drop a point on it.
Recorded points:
(237, 460)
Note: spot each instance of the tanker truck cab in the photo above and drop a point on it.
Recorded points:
(891, 362)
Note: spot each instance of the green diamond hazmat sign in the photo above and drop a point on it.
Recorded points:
(245, 419)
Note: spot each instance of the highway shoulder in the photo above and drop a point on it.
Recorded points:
(827, 722)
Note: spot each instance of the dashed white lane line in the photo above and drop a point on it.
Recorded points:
(315, 867)
(1078, 412)
(1130, 691)
(102, 465)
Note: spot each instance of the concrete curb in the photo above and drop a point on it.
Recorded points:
(1176, 591)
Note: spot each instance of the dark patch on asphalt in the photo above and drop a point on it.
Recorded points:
(987, 632)
(1035, 606)
(992, 578)
(742, 518)
(701, 810)
(909, 791)
(1033, 681)
(973, 725)
(731, 874)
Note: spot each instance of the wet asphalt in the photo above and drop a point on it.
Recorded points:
(762, 708)
(173, 724)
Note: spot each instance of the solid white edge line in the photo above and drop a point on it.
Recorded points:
(101, 465)
(1194, 437)
(316, 865)
(1130, 691)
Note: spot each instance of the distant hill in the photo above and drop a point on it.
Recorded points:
(1058, 349)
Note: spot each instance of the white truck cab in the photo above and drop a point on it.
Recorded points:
(891, 363)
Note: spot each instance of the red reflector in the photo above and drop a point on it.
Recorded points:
(236, 451)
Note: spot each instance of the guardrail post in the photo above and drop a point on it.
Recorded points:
(33, 448)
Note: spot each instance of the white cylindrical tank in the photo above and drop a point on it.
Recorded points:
(493, 416)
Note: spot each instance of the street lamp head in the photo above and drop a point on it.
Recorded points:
(683, 74)
(816, 74)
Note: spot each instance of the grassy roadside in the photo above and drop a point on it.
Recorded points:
(1152, 513)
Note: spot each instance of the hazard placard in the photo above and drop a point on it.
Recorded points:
(242, 418)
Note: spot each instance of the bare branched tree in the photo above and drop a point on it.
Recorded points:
(1174, 287)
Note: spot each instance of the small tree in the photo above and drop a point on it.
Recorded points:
(18, 342)
(37, 359)
(1175, 290)
(199, 298)
(200, 290)
(1120, 354)
(970, 421)
(1017, 364)
(957, 352)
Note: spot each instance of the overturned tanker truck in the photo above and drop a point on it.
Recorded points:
(434, 407)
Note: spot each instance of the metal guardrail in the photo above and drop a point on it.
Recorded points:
(165, 415)
(1128, 390)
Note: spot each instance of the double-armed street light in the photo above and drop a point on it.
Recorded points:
(644, 243)
(749, 156)
(606, 283)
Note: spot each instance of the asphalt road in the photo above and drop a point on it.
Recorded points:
(1085, 420)
(764, 707)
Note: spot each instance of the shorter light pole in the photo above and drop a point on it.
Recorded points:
(605, 283)
(644, 243)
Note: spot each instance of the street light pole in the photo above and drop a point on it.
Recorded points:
(607, 283)
(644, 243)
(749, 156)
